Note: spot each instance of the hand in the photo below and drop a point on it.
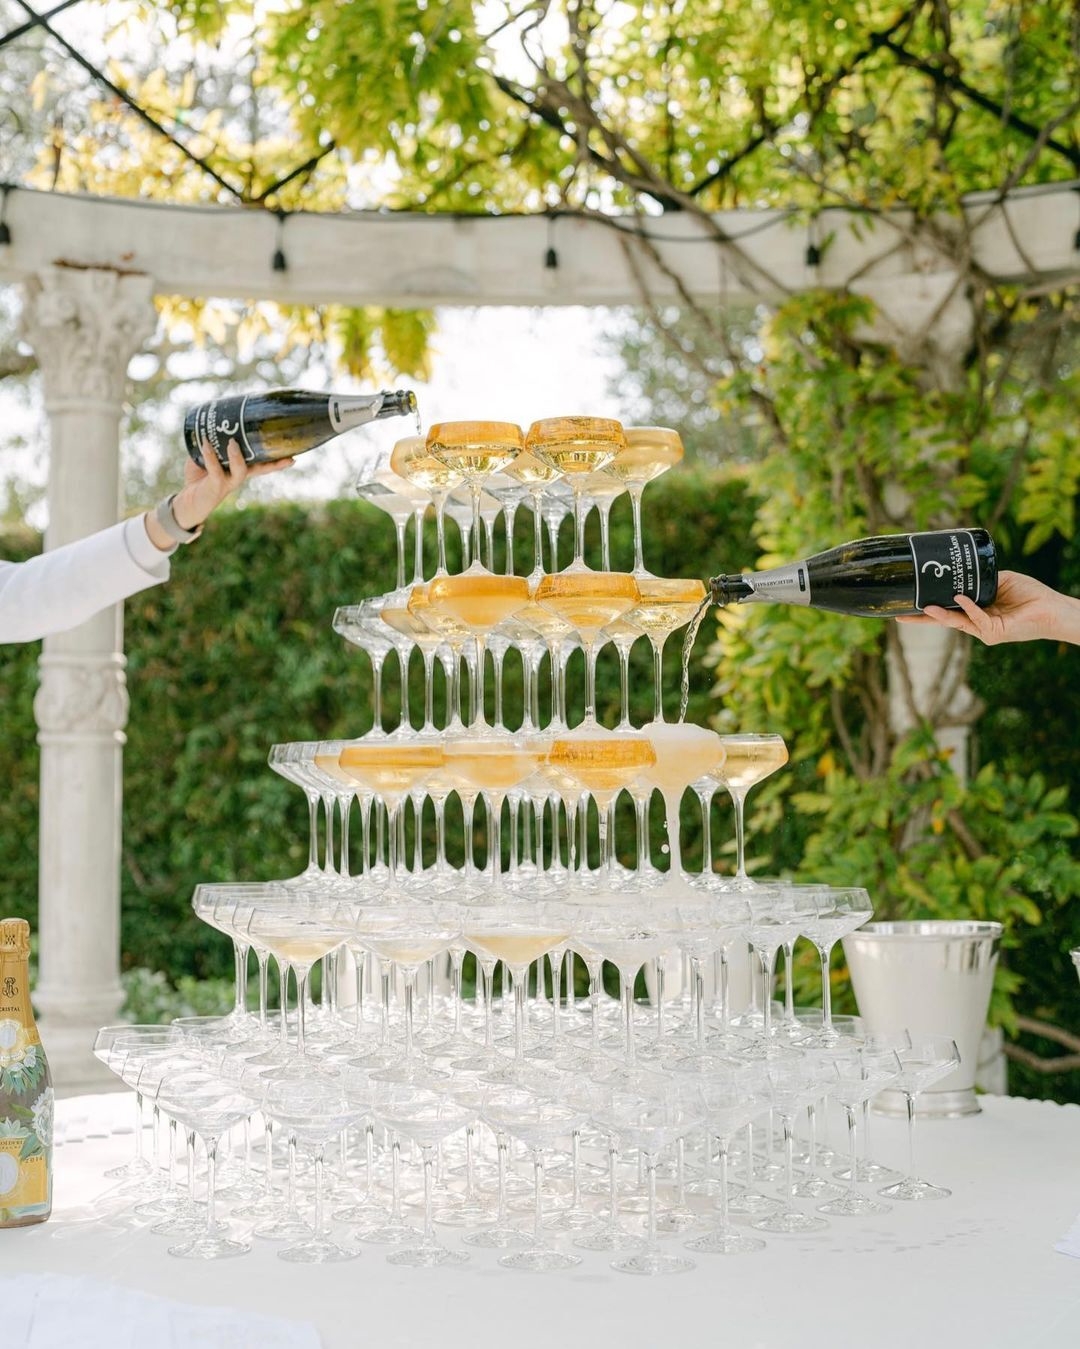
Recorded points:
(206, 488)
(1023, 610)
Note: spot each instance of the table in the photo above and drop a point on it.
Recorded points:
(978, 1268)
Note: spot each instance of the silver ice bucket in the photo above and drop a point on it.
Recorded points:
(928, 977)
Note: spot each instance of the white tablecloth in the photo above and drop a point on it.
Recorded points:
(977, 1269)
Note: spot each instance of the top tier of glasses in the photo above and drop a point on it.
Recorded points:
(557, 465)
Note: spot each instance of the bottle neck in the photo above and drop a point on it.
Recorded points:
(729, 589)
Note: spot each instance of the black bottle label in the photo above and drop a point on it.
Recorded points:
(946, 564)
(219, 422)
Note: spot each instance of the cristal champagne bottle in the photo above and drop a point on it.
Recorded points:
(284, 422)
(26, 1095)
(882, 577)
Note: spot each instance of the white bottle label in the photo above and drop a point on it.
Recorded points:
(783, 585)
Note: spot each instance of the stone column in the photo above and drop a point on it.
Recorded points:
(84, 324)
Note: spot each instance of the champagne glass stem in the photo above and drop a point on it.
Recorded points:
(428, 1156)
(651, 1243)
(538, 531)
(418, 544)
(240, 955)
(345, 800)
(440, 531)
(635, 491)
(853, 1150)
(603, 509)
(429, 689)
(591, 650)
(738, 797)
(520, 975)
(789, 981)
(313, 831)
(328, 815)
(697, 994)
(408, 973)
(283, 1002)
(400, 527)
(624, 684)
(263, 959)
(722, 1144)
(320, 1226)
(626, 987)
(211, 1182)
(825, 952)
(909, 1101)
(300, 974)
(579, 529)
(509, 514)
(477, 523)
(538, 1189)
(705, 797)
(403, 670)
(657, 644)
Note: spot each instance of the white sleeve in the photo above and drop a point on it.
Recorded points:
(64, 587)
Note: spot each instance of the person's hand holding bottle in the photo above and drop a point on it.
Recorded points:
(1024, 610)
(206, 488)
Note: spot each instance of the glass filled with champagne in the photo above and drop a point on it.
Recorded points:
(475, 450)
(649, 451)
(576, 447)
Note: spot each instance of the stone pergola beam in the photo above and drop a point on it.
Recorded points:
(419, 261)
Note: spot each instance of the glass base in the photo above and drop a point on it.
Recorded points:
(866, 1173)
(539, 1259)
(725, 1241)
(790, 1221)
(426, 1256)
(751, 1203)
(816, 1187)
(390, 1234)
(609, 1239)
(210, 1248)
(284, 1229)
(653, 1262)
(499, 1238)
(852, 1206)
(318, 1253)
(912, 1188)
(677, 1220)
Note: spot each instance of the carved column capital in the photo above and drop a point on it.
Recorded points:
(81, 698)
(85, 324)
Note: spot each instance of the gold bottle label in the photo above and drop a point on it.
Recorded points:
(26, 1095)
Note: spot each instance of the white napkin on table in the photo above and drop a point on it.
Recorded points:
(57, 1311)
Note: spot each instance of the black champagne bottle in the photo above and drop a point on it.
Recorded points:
(284, 422)
(882, 577)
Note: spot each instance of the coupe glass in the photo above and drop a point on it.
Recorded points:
(795, 1080)
(587, 601)
(576, 447)
(837, 912)
(516, 934)
(929, 1059)
(541, 1124)
(731, 1095)
(313, 1112)
(412, 460)
(749, 759)
(684, 753)
(474, 450)
(209, 1106)
(478, 602)
(400, 499)
(113, 1055)
(426, 1118)
(391, 767)
(665, 606)
(408, 935)
(648, 452)
(860, 1074)
(537, 478)
(650, 1112)
(602, 490)
(601, 763)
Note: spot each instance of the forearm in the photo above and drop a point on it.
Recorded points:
(1065, 620)
(64, 587)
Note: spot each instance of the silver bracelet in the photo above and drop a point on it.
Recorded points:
(163, 513)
